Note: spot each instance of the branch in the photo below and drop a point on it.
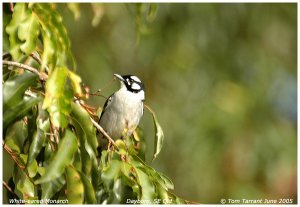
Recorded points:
(6, 186)
(99, 128)
(38, 60)
(42, 76)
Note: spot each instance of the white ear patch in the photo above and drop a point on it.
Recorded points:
(135, 86)
(135, 79)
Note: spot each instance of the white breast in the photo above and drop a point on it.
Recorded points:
(123, 113)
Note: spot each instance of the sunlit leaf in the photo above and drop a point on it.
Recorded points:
(121, 146)
(162, 193)
(167, 181)
(75, 82)
(159, 136)
(62, 158)
(147, 185)
(54, 34)
(32, 168)
(58, 97)
(28, 32)
(75, 187)
(12, 30)
(48, 56)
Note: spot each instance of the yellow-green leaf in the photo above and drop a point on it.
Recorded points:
(28, 32)
(58, 97)
(75, 187)
(75, 81)
(159, 135)
(12, 30)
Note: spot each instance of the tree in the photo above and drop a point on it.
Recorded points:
(50, 132)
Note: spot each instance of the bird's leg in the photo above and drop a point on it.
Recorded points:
(110, 146)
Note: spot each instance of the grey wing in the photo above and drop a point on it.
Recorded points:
(107, 102)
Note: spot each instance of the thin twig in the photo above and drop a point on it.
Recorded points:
(42, 76)
(14, 156)
(148, 107)
(103, 132)
(51, 136)
(6, 186)
(96, 94)
(106, 85)
(38, 60)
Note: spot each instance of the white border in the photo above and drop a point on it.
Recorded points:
(161, 1)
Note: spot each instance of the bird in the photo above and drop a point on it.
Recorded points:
(123, 110)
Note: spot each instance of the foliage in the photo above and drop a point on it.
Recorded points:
(49, 133)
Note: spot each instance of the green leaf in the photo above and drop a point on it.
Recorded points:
(81, 117)
(15, 87)
(121, 192)
(19, 110)
(167, 181)
(48, 56)
(75, 81)
(15, 136)
(111, 172)
(32, 168)
(54, 35)
(62, 158)
(86, 133)
(39, 138)
(28, 32)
(162, 193)
(89, 192)
(159, 136)
(49, 189)
(147, 185)
(58, 97)
(12, 30)
(23, 31)
(122, 149)
(175, 199)
(24, 187)
(75, 187)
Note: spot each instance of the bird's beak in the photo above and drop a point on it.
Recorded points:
(119, 77)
